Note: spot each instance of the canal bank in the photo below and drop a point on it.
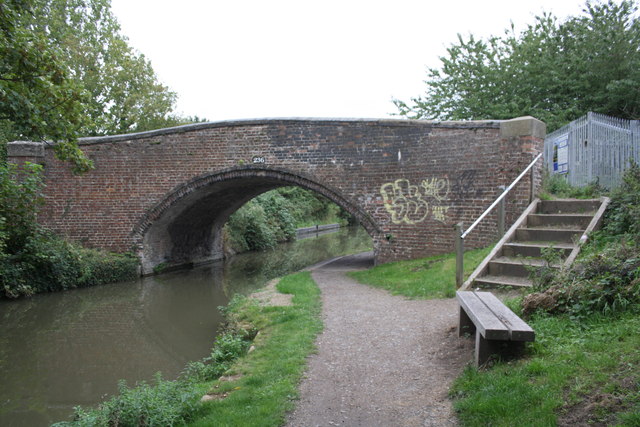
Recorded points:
(61, 350)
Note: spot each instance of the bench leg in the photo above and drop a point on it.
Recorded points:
(485, 348)
(465, 325)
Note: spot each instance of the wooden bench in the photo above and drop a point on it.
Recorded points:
(496, 327)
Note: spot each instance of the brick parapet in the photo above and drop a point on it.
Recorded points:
(165, 193)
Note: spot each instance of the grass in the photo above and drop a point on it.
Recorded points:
(264, 381)
(268, 377)
(425, 278)
(576, 374)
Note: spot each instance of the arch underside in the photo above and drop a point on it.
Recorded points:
(187, 226)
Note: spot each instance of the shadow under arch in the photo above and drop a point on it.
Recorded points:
(186, 226)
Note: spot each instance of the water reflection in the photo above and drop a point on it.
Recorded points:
(70, 348)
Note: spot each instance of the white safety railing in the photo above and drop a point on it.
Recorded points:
(499, 202)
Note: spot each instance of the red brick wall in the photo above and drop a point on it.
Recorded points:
(165, 194)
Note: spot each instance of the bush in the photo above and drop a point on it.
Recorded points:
(274, 216)
(48, 263)
(165, 403)
(556, 185)
(34, 260)
(607, 277)
(623, 214)
(606, 281)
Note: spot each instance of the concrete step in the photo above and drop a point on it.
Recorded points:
(568, 206)
(572, 220)
(518, 267)
(534, 249)
(491, 281)
(562, 235)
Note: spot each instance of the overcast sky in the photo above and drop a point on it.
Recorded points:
(237, 59)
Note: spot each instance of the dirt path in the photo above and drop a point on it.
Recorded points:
(382, 360)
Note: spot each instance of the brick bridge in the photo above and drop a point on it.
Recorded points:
(166, 194)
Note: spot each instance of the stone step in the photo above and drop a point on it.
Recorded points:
(572, 220)
(534, 249)
(563, 235)
(518, 267)
(568, 206)
(491, 281)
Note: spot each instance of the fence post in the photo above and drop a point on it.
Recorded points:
(459, 241)
(635, 140)
(501, 213)
(532, 184)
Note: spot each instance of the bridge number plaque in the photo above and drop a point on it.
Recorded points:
(258, 160)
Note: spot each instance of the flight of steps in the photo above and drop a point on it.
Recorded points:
(561, 224)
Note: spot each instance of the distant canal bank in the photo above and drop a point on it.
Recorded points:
(70, 348)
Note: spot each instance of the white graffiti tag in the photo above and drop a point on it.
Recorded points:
(412, 204)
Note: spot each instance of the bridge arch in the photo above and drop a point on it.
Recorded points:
(186, 226)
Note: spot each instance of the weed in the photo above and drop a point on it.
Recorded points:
(557, 186)
(431, 277)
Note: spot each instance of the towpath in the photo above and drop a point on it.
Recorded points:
(382, 360)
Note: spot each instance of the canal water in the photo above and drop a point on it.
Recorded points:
(70, 348)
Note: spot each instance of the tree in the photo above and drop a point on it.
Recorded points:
(124, 92)
(38, 98)
(553, 71)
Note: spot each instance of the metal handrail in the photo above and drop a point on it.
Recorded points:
(460, 235)
(502, 196)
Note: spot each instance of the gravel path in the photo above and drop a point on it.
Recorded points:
(382, 360)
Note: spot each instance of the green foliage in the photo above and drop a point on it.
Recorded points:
(164, 403)
(249, 229)
(556, 185)
(124, 94)
(65, 70)
(47, 263)
(605, 281)
(39, 98)
(33, 260)
(270, 374)
(274, 216)
(554, 71)
(431, 277)
(20, 198)
(623, 214)
(226, 349)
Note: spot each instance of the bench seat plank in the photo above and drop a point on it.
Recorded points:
(487, 324)
(518, 329)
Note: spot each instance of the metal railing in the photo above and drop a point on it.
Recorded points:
(459, 227)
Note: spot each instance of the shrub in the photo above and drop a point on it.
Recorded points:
(34, 260)
(557, 185)
(623, 214)
(166, 403)
(607, 277)
(48, 263)
(274, 216)
(605, 281)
